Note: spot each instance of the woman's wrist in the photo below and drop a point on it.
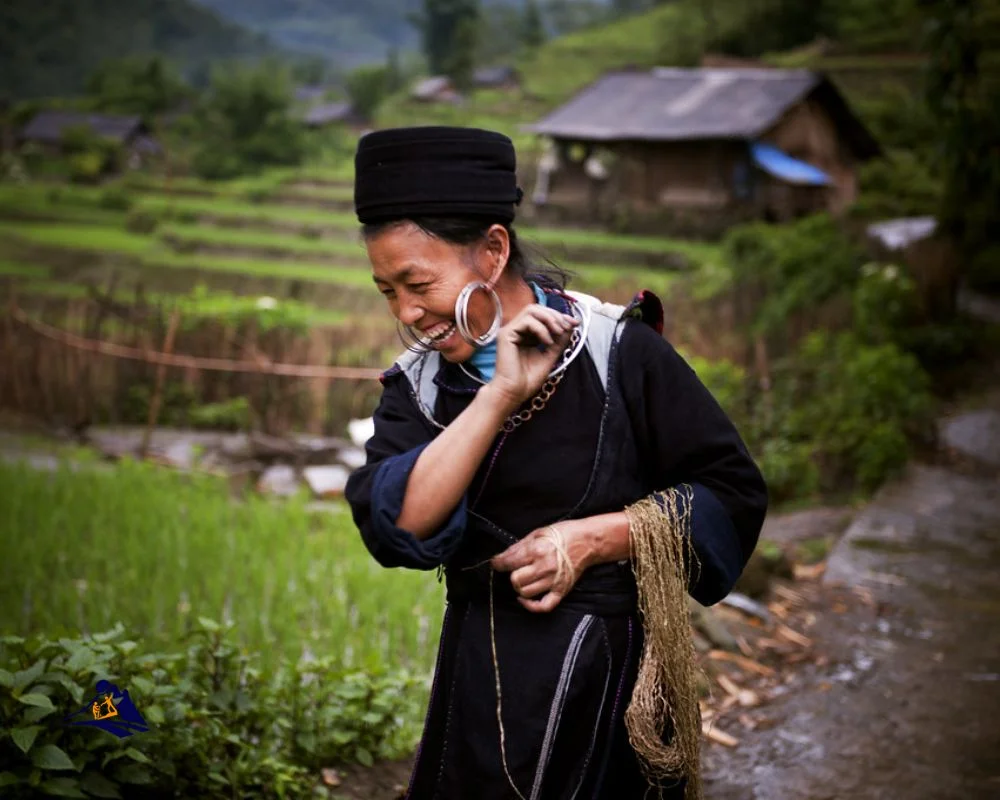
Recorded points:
(598, 540)
(497, 402)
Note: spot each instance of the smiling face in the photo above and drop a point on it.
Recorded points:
(421, 277)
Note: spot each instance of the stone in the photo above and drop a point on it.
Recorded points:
(975, 434)
(327, 481)
(279, 480)
(361, 430)
(353, 458)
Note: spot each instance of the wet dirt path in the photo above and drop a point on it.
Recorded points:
(908, 707)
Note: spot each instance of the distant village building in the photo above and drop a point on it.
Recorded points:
(502, 77)
(309, 94)
(436, 89)
(48, 130)
(325, 115)
(708, 143)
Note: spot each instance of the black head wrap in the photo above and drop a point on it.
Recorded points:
(402, 173)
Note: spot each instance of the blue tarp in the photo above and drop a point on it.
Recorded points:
(782, 166)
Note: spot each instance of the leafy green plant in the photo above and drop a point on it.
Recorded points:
(218, 727)
(794, 267)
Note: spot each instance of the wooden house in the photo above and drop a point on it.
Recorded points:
(325, 115)
(436, 89)
(718, 144)
(48, 129)
(504, 77)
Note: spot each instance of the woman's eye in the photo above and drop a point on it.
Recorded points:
(419, 287)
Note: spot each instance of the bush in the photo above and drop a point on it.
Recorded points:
(232, 415)
(856, 406)
(899, 185)
(116, 199)
(139, 221)
(794, 267)
(86, 167)
(218, 728)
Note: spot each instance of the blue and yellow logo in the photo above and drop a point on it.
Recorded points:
(110, 710)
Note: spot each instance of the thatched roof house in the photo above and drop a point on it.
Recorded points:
(766, 142)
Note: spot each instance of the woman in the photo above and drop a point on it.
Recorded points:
(566, 469)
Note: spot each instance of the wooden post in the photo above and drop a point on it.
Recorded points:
(161, 374)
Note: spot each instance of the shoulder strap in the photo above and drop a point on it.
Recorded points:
(606, 322)
(605, 328)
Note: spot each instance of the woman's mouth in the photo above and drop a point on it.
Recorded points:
(437, 334)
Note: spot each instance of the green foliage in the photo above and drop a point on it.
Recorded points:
(899, 185)
(963, 92)
(144, 85)
(141, 222)
(218, 727)
(244, 124)
(49, 48)
(864, 404)
(772, 25)
(793, 267)
(115, 198)
(448, 35)
(227, 415)
(367, 88)
(532, 26)
(885, 303)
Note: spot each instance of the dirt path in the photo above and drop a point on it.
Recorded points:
(908, 707)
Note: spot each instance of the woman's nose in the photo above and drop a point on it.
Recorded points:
(409, 312)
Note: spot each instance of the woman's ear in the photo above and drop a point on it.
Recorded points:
(497, 246)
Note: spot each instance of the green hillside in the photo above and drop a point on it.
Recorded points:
(343, 30)
(48, 48)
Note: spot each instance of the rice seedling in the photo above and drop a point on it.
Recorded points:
(86, 548)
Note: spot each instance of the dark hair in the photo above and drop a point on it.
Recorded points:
(469, 230)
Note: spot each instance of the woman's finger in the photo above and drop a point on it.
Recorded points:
(527, 575)
(535, 587)
(531, 327)
(544, 604)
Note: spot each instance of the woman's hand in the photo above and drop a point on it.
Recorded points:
(522, 364)
(542, 575)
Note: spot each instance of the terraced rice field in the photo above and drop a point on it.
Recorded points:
(283, 234)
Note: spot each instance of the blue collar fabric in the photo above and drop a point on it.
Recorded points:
(485, 358)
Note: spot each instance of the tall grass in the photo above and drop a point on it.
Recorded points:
(155, 550)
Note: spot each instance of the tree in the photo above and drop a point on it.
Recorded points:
(244, 123)
(147, 86)
(367, 88)
(532, 27)
(566, 16)
(448, 33)
(461, 63)
(965, 100)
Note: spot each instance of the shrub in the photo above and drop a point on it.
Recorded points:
(139, 221)
(795, 267)
(86, 167)
(856, 406)
(899, 185)
(218, 728)
(115, 198)
(234, 415)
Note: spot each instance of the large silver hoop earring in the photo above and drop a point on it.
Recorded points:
(410, 339)
(462, 315)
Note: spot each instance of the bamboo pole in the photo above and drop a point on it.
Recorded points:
(161, 374)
